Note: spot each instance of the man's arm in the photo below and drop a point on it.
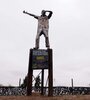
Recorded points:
(50, 13)
(30, 14)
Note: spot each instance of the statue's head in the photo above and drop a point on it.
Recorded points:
(43, 12)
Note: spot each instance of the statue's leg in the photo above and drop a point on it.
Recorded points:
(47, 42)
(46, 38)
(37, 41)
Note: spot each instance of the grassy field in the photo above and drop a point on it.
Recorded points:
(69, 97)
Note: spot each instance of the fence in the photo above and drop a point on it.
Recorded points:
(17, 91)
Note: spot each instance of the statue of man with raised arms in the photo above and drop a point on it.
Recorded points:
(43, 26)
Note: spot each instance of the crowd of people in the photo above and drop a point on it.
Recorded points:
(18, 91)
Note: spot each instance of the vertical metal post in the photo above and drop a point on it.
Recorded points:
(72, 85)
(50, 72)
(19, 82)
(30, 73)
(42, 82)
(72, 82)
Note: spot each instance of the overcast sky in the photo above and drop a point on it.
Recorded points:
(69, 35)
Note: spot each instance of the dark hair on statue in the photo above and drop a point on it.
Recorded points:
(43, 12)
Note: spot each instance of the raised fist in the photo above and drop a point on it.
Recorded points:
(24, 11)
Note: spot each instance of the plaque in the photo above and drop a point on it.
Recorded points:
(39, 59)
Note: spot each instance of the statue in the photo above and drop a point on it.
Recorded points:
(43, 26)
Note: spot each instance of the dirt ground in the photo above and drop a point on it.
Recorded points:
(74, 97)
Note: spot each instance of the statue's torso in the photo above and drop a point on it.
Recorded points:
(43, 22)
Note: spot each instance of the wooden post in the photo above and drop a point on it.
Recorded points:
(50, 72)
(30, 73)
(42, 82)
